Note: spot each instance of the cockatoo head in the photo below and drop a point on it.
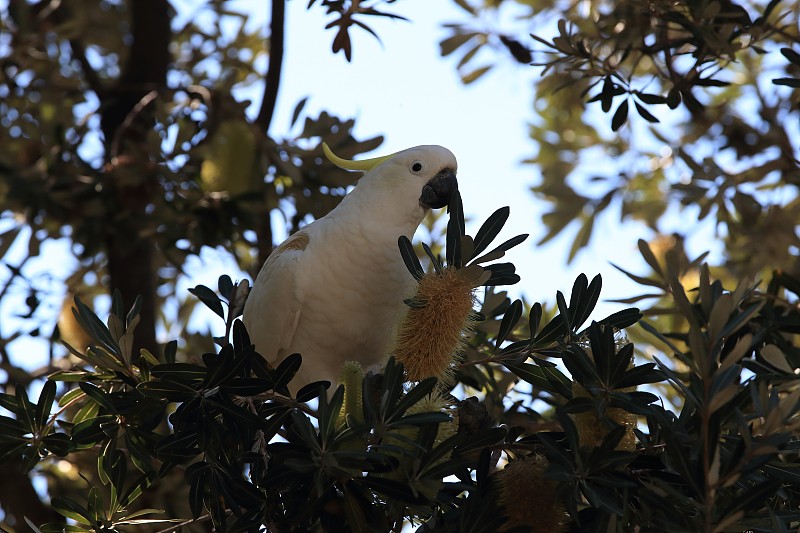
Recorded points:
(427, 171)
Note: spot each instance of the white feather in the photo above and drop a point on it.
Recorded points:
(334, 290)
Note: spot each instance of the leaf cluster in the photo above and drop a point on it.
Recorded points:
(689, 121)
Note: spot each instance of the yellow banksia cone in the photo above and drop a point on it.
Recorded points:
(431, 334)
(528, 498)
(592, 429)
(351, 377)
(433, 403)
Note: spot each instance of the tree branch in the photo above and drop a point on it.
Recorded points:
(272, 82)
(89, 74)
(273, 78)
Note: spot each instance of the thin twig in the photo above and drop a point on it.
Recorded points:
(140, 106)
(204, 518)
(89, 74)
(279, 398)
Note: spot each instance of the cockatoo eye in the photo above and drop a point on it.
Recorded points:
(416, 166)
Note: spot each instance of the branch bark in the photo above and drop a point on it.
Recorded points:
(273, 78)
(272, 82)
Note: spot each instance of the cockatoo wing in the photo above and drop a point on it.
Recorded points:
(273, 308)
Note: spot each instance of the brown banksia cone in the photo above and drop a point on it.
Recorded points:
(528, 498)
(431, 334)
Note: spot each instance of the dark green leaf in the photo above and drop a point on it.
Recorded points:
(133, 312)
(512, 242)
(413, 396)
(534, 318)
(644, 113)
(410, 257)
(71, 509)
(58, 444)
(583, 302)
(490, 229)
(620, 116)
(26, 412)
(46, 398)
(622, 319)
(328, 414)
(532, 374)
(652, 99)
(296, 114)
(639, 279)
(170, 351)
(94, 326)
(246, 386)
(607, 95)
(551, 331)
(455, 230)
(98, 395)
(168, 389)
(10, 426)
(791, 55)
(510, 319)
(709, 82)
(312, 390)
(437, 264)
(209, 298)
(182, 371)
(563, 310)
(287, 369)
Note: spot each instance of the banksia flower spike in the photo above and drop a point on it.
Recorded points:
(528, 498)
(352, 377)
(431, 334)
(403, 441)
(593, 427)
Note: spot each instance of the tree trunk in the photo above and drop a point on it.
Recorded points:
(20, 499)
(132, 178)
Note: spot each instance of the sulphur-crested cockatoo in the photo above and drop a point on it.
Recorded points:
(334, 290)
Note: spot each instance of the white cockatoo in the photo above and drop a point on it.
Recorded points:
(335, 289)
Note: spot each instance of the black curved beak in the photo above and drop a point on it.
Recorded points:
(438, 192)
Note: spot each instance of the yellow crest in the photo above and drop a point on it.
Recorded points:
(364, 165)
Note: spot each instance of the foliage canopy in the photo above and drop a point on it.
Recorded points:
(123, 132)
